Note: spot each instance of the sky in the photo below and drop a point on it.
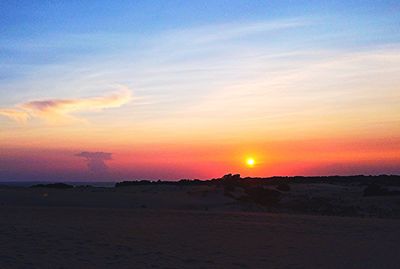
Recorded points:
(123, 90)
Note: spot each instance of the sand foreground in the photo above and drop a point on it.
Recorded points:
(189, 227)
(54, 237)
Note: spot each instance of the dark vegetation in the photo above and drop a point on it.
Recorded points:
(53, 186)
(283, 187)
(231, 181)
(375, 189)
(257, 190)
(337, 195)
(181, 182)
(261, 196)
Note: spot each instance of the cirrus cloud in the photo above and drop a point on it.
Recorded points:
(58, 109)
(17, 115)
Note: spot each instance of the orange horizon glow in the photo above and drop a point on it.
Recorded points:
(176, 161)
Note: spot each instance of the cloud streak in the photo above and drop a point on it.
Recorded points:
(14, 114)
(57, 109)
(228, 31)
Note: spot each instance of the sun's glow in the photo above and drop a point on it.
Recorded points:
(250, 162)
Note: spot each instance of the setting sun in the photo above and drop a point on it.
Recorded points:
(250, 162)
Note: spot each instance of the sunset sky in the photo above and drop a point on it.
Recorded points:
(118, 90)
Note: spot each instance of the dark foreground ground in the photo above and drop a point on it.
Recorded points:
(312, 225)
(54, 237)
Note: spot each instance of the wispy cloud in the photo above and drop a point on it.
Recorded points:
(17, 115)
(171, 69)
(269, 72)
(56, 109)
(227, 31)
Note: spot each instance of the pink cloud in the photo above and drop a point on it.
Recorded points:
(63, 108)
(14, 114)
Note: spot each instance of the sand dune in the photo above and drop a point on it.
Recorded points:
(179, 227)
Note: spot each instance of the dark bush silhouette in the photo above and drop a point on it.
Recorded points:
(231, 177)
(377, 190)
(133, 183)
(182, 182)
(229, 188)
(84, 186)
(374, 190)
(261, 196)
(283, 187)
(53, 186)
(236, 181)
(230, 182)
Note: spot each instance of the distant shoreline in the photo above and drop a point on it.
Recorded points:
(367, 179)
(104, 184)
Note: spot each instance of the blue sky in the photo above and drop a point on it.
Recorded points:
(25, 20)
(41, 41)
(39, 33)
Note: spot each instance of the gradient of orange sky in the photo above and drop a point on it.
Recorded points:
(205, 160)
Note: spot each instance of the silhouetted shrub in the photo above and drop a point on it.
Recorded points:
(182, 182)
(231, 177)
(53, 186)
(84, 186)
(261, 196)
(247, 182)
(134, 183)
(377, 190)
(283, 187)
(374, 190)
(229, 188)
(230, 182)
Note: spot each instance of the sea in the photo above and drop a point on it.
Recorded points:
(104, 184)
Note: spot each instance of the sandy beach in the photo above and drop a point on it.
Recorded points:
(160, 227)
